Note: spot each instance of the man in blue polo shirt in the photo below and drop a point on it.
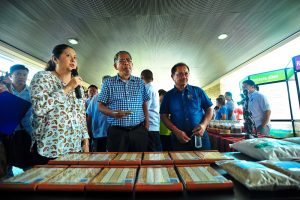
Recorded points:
(190, 111)
(97, 124)
(123, 99)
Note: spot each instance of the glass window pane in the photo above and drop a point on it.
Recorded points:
(277, 96)
(281, 129)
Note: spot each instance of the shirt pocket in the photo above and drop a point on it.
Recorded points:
(135, 93)
(194, 103)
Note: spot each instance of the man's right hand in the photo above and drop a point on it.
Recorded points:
(3, 88)
(182, 137)
(120, 114)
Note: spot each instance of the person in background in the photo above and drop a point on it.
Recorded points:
(59, 122)
(190, 111)
(215, 111)
(18, 144)
(97, 124)
(154, 143)
(229, 106)
(92, 91)
(259, 107)
(238, 112)
(221, 114)
(165, 133)
(123, 98)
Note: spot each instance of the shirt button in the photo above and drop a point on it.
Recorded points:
(187, 119)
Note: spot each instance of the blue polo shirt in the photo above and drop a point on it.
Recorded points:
(186, 108)
(26, 122)
(130, 95)
(99, 120)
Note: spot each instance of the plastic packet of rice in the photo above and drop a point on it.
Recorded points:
(256, 176)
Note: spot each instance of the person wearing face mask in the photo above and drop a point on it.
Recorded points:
(190, 112)
(59, 120)
(123, 98)
(259, 107)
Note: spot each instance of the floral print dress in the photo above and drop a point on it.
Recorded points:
(59, 121)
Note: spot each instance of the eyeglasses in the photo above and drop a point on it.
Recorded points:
(123, 60)
(186, 74)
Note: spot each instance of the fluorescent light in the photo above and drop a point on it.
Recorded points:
(222, 36)
(73, 41)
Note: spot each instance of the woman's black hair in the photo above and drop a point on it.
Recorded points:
(56, 52)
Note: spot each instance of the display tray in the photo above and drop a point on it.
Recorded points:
(199, 177)
(159, 158)
(117, 179)
(72, 179)
(185, 157)
(232, 134)
(158, 178)
(127, 159)
(28, 180)
(211, 156)
(69, 159)
(97, 159)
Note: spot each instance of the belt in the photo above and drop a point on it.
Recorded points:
(128, 128)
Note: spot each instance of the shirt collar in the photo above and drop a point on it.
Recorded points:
(26, 89)
(188, 88)
(131, 78)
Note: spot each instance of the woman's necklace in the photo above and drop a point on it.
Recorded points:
(60, 78)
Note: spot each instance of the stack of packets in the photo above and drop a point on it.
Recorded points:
(211, 156)
(158, 178)
(84, 159)
(185, 157)
(156, 158)
(69, 159)
(30, 179)
(71, 179)
(202, 177)
(127, 159)
(114, 179)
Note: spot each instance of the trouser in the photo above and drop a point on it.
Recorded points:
(99, 144)
(190, 146)
(18, 149)
(154, 143)
(37, 159)
(127, 139)
(166, 142)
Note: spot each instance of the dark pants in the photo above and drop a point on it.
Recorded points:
(18, 149)
(37, 159)
(166, 142)
(99, 144)
(127, 139)
(190, 146)
(154, 143)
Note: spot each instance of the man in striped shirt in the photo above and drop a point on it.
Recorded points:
(123, 99)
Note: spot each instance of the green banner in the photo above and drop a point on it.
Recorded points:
(273, 76)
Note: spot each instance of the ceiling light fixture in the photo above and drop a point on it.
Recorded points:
(222, 36)
(73, 41)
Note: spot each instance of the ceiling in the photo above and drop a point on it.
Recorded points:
(158, 33)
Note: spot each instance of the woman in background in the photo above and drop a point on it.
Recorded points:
(59, 120)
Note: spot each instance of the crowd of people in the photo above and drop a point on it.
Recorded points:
(128, 115)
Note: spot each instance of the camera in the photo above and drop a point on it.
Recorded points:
(5, 80)
(244, 97)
